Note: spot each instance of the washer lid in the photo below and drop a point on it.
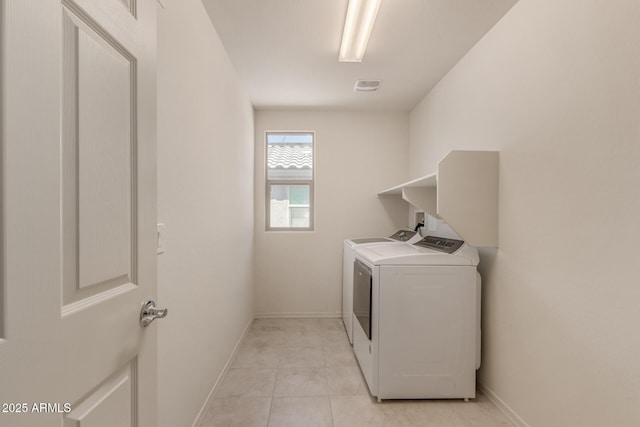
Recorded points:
(400, 236)
(415, 255)
(369, 240)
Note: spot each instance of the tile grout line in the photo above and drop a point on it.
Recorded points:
(333, 421)
(273, 390)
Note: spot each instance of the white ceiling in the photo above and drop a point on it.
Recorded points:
(286, 51)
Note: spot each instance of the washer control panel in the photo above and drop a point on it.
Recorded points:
(402, 235)
(441, 244)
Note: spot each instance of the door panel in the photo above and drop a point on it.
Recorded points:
(104, 162)
(130, 5)
(98, 149)
(79, 212)
(108, 405)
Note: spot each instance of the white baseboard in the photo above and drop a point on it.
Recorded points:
(295, 315)
(227, 365)
(502, 406)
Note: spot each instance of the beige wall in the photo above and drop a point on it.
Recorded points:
(357, 155)
(555, 86)
(205, 180)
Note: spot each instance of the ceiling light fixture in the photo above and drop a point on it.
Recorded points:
(367, 85)
(361, 14)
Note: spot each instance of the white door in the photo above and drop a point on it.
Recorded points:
(78, 213)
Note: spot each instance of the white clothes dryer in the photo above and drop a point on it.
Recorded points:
(348, 257)
(416, 321)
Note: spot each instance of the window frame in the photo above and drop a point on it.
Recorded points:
(271, 182)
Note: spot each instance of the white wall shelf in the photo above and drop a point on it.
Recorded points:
(463, 192)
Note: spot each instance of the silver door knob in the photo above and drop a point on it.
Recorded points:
(149, 313)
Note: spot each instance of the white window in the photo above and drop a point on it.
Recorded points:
(289, 181)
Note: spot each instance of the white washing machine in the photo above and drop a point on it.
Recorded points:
(416, 319)
(348, 257)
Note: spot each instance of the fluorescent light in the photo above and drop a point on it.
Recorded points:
(361, 14)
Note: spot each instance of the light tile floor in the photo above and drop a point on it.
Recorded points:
(302, 373)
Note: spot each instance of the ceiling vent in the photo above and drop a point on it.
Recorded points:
(367, 85)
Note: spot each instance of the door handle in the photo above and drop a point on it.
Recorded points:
(149, 313)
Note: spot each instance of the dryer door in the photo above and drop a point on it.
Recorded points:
(362, 285)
